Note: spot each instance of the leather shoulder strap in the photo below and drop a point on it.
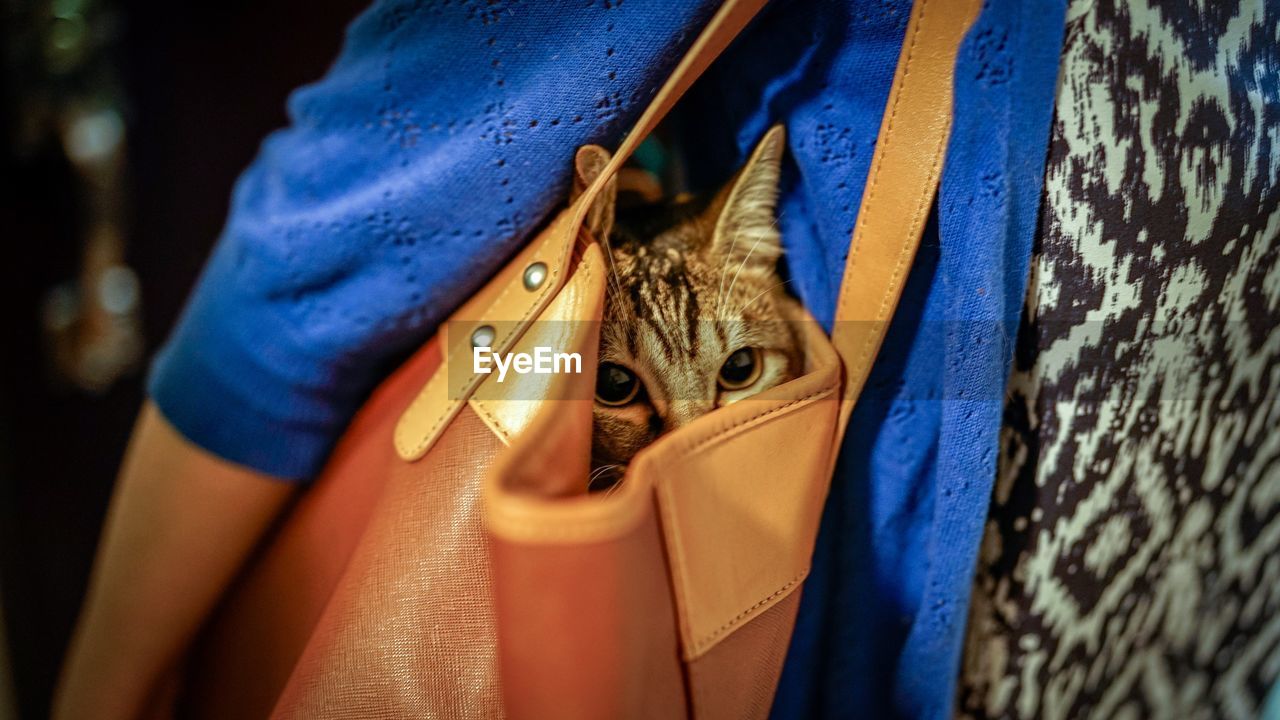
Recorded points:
(900, 188)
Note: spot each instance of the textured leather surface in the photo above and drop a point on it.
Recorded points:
(585, 617)
(736, 679)
(409, 630)
(246, 654)
(740, 493)
(587, 628)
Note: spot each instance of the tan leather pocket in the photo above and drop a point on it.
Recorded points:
(740, 493)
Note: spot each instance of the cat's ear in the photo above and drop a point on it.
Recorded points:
(746, 228)
(587, 166)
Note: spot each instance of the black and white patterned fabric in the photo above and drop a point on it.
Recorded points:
(1131, 563)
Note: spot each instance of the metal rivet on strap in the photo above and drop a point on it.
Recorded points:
(535, 275)
(483, 337)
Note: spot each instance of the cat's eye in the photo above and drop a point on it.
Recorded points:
(741, 369)
(616, 385)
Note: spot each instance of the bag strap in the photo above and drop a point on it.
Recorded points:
(502, 308)
(900, 188)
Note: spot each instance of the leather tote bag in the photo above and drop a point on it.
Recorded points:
(449, 561)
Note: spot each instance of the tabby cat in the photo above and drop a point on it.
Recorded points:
(696, 315)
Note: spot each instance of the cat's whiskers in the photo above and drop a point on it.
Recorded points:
(624, 309)
(759, 295)
(616, 286)
(597, 473)
(613, 269)
(728, 258)
(729, 293)
(723, 295)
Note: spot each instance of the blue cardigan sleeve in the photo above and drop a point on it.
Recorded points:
(440, 138)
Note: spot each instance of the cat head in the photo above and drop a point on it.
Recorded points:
(695, 314)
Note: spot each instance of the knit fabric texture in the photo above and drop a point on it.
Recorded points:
(440, 139)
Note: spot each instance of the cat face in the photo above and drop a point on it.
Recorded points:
(695, 314)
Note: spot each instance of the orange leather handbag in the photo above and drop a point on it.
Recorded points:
(449, 561)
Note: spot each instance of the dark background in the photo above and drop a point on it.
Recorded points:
(204, 82)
